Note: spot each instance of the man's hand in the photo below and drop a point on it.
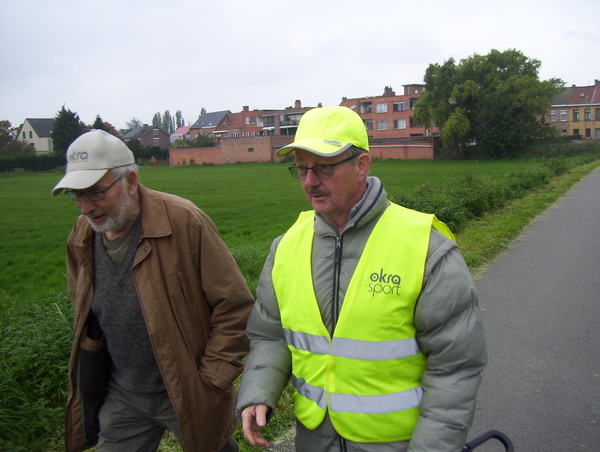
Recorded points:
(254, 418)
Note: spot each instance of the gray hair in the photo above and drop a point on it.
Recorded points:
(122, 171)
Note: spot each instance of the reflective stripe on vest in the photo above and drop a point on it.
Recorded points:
(368, 374)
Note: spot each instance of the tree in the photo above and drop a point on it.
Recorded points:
(179, 121)
(6, 132)
(202, 141)
(133, 123)
(157, 120)
(168, 122)
(496, 100)
(9, 143)
(67, 127)
(99, 124)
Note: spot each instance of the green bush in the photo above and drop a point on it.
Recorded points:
(460, 201)
(35, 342)
(32, 162)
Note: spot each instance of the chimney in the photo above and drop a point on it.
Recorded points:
(297, 104)
(388, 92)
(245, 108)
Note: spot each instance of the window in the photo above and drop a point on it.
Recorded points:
(575, 131)
(587, 114)
(381, 108)
(597, 114)
(250, 149)
(552, 115)
(399, 106)
(414, 123)
(157, 142)
(369, 124)
(155, 132)
(563, 115)
(247, 120)
(588, 133)
(411, 103)
(366, 107)
(575, 115)
(24, 135)
(30, 134)
(597, 134)
(382, 125)
(235, 135)
(400, 124)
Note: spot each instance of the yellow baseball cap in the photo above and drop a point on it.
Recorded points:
(328, 131)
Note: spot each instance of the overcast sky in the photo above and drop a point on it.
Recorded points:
(133, 58)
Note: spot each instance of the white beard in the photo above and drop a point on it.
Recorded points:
(120, 221)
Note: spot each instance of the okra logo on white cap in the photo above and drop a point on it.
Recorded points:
(90, 156)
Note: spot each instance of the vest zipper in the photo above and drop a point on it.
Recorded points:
(336, 281)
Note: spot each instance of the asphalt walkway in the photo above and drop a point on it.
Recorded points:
(541, 308)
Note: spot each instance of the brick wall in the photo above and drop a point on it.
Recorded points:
(252, 149)
(198, 155)
(402, 151)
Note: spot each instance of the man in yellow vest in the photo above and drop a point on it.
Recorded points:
(368, 306)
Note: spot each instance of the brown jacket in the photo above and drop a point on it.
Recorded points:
(195, 302)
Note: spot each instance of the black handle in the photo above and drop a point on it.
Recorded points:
(488, 435)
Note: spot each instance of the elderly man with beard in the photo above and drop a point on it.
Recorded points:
(160, 311)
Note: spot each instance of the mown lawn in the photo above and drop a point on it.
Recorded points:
(250, 204)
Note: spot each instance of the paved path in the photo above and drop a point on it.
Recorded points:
(541, 311)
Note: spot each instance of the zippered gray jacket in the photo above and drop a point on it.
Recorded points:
(447, 319)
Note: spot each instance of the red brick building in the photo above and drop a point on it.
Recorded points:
(256, 135)
(390, 115)
(149, 136)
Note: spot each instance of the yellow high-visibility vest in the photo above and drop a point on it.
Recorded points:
(368, 375)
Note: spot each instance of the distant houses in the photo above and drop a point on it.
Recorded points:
(149, 136)
(256, 135)
(576, 111)
(36, 132)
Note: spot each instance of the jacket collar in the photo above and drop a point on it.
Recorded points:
(371, 204)
(155, 219)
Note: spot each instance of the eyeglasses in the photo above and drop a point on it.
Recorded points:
(92, 195)
(324, 171)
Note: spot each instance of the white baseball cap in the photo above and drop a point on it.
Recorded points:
(89, 158)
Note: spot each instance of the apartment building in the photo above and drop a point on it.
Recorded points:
(245, 136)
(393, 133)
(256, 135)
(390, 115)
(576, 111)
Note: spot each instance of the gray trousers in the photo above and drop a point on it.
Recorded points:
(132, 423)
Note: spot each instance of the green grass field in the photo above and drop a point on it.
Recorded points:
(250, 203)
